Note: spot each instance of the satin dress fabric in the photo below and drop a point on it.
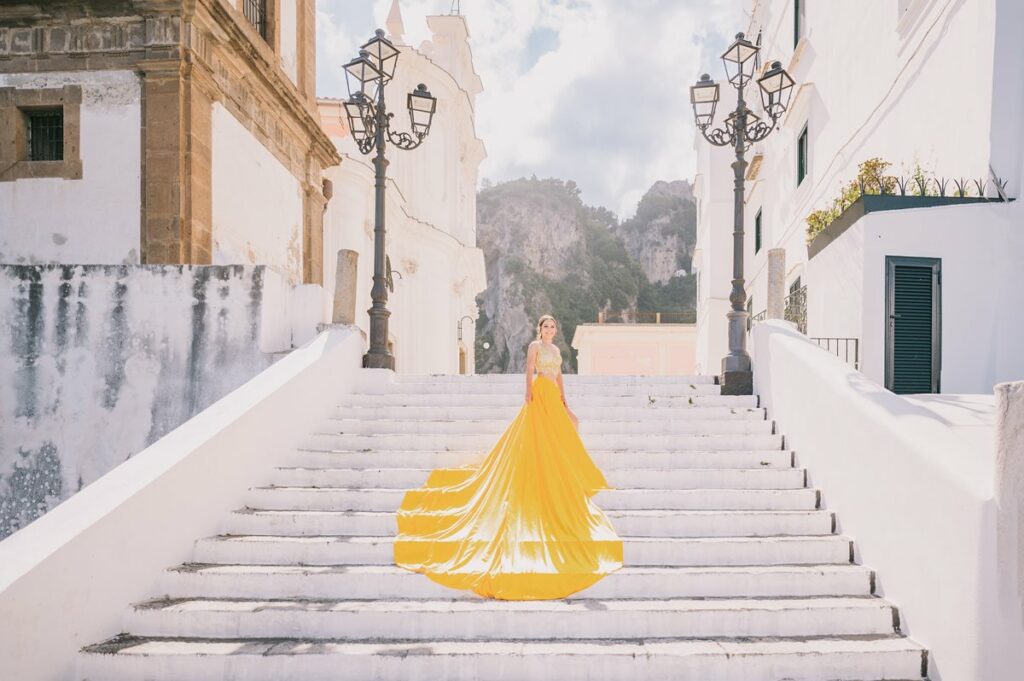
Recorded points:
(521, 524)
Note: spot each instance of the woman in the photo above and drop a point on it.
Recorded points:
(521, 524)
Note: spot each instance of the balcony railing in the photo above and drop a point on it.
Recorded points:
(633, 317)
(795, 308)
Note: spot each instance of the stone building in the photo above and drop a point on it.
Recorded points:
(161, 208)
(162, 132)
(431, 207)
(163, 168)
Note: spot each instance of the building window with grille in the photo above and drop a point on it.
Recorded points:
(757, 231)
(46, 129)
(801, 156)
(256, 12)
(45, 138)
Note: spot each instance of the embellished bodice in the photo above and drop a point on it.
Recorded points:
(549, 360)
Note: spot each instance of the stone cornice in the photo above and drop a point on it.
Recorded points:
(263, 61)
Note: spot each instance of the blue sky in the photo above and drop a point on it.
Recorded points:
(594, 91)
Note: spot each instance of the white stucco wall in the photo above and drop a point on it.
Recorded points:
(93, 220)
(981, 248)
(289, 39)
(257, 202)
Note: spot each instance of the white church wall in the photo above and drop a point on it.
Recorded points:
(95, 219)
(257, 202)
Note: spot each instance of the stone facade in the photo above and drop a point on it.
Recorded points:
(189, 56)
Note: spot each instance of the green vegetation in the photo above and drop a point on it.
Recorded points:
(871, 179)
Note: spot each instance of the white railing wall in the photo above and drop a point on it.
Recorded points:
(917, 491)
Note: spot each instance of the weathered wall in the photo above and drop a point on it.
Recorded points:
(97, 362)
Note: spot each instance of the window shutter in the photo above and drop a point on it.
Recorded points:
(913, 327)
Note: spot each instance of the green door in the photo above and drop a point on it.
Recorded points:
(913, 324)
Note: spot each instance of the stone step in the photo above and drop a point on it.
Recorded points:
(391, 582)
(638, 478)
(482, 442)
(583, 619)
(816, 659)
(571, 389)
(493, 428)
(568, 378)
(626, 523)
(605, 460)
(505, 413)
(515, 399)
(693, 552)
(379, 499)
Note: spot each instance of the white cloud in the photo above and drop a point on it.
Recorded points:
(607, 104)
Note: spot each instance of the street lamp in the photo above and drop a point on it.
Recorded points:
(742, 127)
(464, 318)
(370, 124)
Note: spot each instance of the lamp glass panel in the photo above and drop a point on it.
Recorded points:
(704, 93)
(383, 55)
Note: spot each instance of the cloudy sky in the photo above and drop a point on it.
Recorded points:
(594, 91)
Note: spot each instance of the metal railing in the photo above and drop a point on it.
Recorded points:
(754, 319)
(846, 349)
(795, 308)
(256, 12)
(634, 317)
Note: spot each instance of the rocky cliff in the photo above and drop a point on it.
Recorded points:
(662, 234)
(548, 253)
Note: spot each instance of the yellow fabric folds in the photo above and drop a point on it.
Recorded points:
(521, 524)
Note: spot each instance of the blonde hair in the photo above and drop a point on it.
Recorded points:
(540, 323)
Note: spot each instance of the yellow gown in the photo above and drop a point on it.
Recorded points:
(520, 525)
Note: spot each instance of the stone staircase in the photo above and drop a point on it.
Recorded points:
(732, 570)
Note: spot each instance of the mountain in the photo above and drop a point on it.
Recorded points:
(549, 253)
(662, 234)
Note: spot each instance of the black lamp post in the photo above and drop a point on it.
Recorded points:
(742, 127)
(370, 124)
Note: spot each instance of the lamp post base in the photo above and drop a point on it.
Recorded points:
(376, 360)
(737, 382)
